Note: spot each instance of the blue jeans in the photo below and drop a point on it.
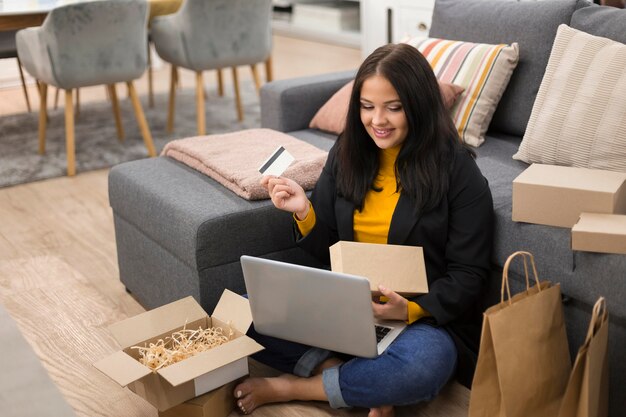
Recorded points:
(414, 368)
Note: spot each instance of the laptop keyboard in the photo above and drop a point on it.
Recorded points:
(381, 332)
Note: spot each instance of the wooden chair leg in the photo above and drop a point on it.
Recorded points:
(237, 95)
(150, 90)
(43, 117)
(200, 103)
(19, 67)
(141, 119)
(77, 102)
(172, 101)
(177, 81)
(70, 147)
(116, 111)
(257, 80)
(220, 83)
(56, 98)
(269, 74)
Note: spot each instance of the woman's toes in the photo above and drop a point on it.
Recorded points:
(383, 411)
(245, 405)
(242, 389)
(374, 412)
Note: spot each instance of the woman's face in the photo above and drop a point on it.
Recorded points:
(382, 113)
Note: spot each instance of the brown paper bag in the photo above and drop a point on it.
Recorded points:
(524, 363)
(587, 393)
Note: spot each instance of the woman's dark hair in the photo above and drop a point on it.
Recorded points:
(425, 159)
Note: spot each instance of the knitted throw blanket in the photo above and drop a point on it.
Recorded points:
(233, 159)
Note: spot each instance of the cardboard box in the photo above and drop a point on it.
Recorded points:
(399, 268)
(555, 195)
(605, 233)
(217, 403)
(199, 374)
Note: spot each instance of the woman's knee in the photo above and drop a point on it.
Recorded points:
(413, 369)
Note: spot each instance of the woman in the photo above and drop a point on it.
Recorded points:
(398, 175)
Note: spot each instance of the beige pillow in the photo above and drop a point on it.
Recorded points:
(482, 69)
(579, 115)
(331, 117)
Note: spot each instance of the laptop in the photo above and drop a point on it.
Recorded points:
(316, 307)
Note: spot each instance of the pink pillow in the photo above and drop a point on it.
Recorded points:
(331, 117)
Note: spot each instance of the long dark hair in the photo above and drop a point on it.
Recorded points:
(425, 159)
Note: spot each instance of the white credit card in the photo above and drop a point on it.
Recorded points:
(277, 163)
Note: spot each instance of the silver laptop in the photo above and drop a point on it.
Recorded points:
(315, 307)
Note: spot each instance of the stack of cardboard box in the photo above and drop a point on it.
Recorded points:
(591, 202)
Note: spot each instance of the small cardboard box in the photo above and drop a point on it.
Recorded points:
(605, 233)
(399, 268)
(199, 374)
(555, 195)
(217, 403)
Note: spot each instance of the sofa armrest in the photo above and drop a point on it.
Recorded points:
(288, 105)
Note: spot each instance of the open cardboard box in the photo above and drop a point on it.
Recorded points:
(397, 267)
(556, 195)
(604, 233)
(199, 374)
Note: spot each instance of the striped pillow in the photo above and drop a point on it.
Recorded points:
(483, 70)
(579, 115)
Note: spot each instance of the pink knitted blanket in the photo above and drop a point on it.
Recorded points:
(233, 159)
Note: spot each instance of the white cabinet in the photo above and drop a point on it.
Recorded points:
(381, 22)
(410, 18)
(385, 21)
(320, 24)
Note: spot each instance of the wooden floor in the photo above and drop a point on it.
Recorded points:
(58, 266)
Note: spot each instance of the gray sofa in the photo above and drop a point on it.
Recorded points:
(179, 232)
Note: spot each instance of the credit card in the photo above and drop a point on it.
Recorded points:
(277, 163)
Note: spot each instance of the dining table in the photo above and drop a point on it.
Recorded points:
(20, 14)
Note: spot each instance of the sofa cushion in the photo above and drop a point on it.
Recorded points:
(482, 69)
(579, 115)
(607, 22)
(331, 117)
(532, 25)
(599, 274)
(190, 214)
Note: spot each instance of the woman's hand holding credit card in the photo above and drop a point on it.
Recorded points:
(285, 193)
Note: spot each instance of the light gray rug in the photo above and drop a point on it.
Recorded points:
(97, 145)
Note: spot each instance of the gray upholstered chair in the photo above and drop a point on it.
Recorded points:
(8, 49)
(214, 34)
(87, 44)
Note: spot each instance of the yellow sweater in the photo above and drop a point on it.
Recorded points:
(371, 225)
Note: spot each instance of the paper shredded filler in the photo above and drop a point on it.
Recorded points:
(180, 346)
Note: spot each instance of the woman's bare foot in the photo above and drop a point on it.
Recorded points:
(254, 392)
(384, 411)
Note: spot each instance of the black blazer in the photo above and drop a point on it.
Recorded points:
(456, 238)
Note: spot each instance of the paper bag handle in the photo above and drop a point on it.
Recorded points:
(599, 315)
(505, 274)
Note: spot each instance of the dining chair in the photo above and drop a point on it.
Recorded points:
(88, 44)
(8, 49)
(210, 35)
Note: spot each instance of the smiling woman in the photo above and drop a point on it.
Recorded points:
(398, 174)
